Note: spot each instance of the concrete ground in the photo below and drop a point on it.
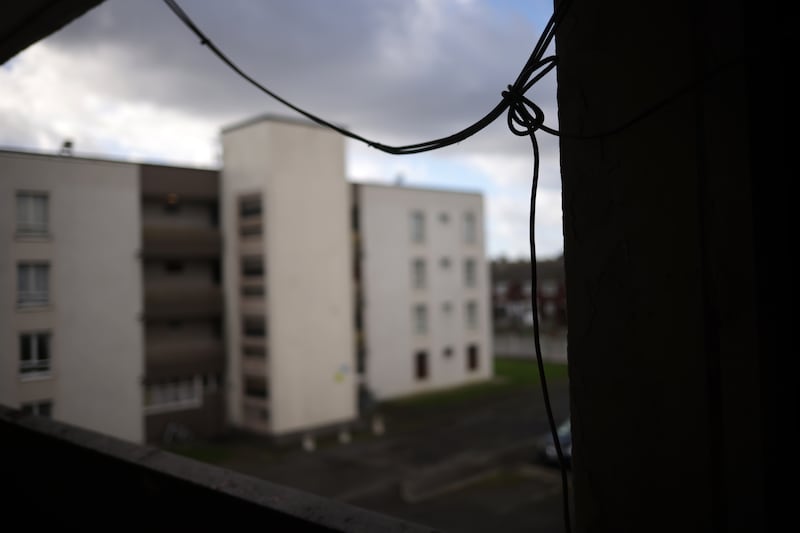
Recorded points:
(466, 466)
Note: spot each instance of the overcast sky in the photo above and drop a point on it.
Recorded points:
(129, 81)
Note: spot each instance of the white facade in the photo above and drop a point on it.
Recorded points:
(92, 297)
(302, 233)
(425, 284)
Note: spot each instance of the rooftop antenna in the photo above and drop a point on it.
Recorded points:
(66, 147)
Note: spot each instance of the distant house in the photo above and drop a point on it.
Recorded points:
(511, 294)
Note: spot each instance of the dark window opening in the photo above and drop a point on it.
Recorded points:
(250, 207)
(252, 266)
(254, 327)
(216, 273)
(44, 408)
(421, 365)
(472, 357)
(255, 387)
(448, 351)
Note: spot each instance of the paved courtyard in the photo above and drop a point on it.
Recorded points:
(463, 465)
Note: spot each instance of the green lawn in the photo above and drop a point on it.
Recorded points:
(509, 375)
(202, 451)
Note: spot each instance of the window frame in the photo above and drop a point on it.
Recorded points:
(420, 319)
(35, 408)
(418, 227)
(470, 228)
(470, 272)
(33, 298)
(421, 365)
(174, 395)
(35, 356)
(25, 225)
(419, 273)
(471, 318)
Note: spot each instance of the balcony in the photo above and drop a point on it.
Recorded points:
(254, 366)
(182, 303)
(172, 242)
(164, 361)
(141, 486)
(157, 181)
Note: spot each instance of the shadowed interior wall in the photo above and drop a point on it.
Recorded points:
(676, 258)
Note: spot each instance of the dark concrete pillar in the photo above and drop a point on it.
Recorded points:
(677, 254)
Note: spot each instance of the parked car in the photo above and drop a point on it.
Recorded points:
(547, 449)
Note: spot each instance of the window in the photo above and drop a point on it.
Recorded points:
(444, 262)
(32, 216)
(444, 217)
(419, 280)
(34, 354)
(43, 408)
(250, 207)
(254, 326)
(252, 265)
(175, 394)
(448, 352)
(418, 227)
(472, 315)
(470, 273)
(470, 228)
(255, 387)
(421, 365)
(472, 357)
(420, 319)
(33, 284)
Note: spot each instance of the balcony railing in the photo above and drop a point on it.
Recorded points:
(170, 242)
(68, 467)
(182, 303)
(167, 360)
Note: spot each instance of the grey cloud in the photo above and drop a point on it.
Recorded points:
(380, 68)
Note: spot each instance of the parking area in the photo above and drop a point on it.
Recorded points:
(465, 461)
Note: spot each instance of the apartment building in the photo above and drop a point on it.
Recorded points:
(423, 287)
(112, 288)
(150, 302)
(71, 336)
(288, 277)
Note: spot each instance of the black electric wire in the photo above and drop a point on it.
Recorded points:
(524, 119)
